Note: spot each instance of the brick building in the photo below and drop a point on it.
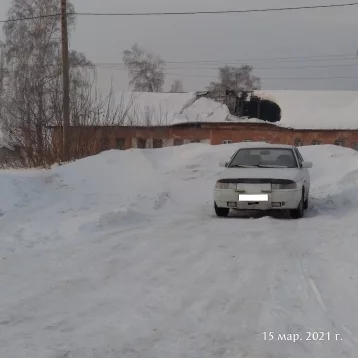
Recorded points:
(308, 118)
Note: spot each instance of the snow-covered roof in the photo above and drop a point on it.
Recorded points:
(315, 109)
(299, 109)
(168, 108)
(203, 110)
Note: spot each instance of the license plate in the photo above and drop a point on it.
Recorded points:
(255, 198)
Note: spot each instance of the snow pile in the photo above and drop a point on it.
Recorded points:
(119, 255)
(315, 109)
(334, 177)
(168, 108)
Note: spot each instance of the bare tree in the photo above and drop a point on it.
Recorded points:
(146, 70)
(235, 79)
(177, 86)
(32, 85)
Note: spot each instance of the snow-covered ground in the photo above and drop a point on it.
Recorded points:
(120, 255)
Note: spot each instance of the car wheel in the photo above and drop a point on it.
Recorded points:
(221, 212)
(300, 211)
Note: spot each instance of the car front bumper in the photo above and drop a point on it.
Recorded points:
(276, 200)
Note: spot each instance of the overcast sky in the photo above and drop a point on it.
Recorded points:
(232, 37)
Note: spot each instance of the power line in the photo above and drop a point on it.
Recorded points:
(186, 12)
(218, 11)
(262, 78)
(272, 68)
(116, 66)
(119, 66)
(245, 61)
(268, 78)
(308, 78)
(278, 58)
(299, 59)
(30, 18)
(205, 64)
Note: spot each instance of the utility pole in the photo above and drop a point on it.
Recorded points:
(66, 83)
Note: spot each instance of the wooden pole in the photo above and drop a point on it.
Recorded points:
(66, 83)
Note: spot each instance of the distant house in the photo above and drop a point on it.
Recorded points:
(169, 119)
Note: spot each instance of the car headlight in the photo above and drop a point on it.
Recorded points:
(284, 186)
(220, 185)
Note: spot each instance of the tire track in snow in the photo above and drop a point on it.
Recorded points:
(317, 294)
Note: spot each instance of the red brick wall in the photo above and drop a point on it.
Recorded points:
(89, 139)
(279, 135)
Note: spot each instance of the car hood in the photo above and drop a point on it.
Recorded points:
(262, 173)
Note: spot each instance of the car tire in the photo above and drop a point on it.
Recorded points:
(306, 204)
(221, 212)
(300, 211)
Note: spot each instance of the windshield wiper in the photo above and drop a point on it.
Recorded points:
(272, 166)
(243, 166)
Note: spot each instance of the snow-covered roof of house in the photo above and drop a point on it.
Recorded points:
(314, 109)
(332, 110)
(168, 108)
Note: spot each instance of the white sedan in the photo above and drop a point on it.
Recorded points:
(261, 176)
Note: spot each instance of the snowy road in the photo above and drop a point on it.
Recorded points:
(88, 269)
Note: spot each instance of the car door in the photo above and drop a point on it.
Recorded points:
(305, 171)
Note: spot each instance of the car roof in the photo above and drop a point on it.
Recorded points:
(244, 145)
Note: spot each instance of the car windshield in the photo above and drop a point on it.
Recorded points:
(264, 158)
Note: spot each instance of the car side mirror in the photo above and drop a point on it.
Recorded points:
(307, 165)
(223, 163)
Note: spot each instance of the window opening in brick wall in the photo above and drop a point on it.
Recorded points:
(298, 143)
(316, 142)
(226, 141)
(120, 143)
(340, 143)
(178, 142)
(157, 143)
(248, 140)
(141, 143)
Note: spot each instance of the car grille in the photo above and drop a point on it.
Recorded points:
(256, 181)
